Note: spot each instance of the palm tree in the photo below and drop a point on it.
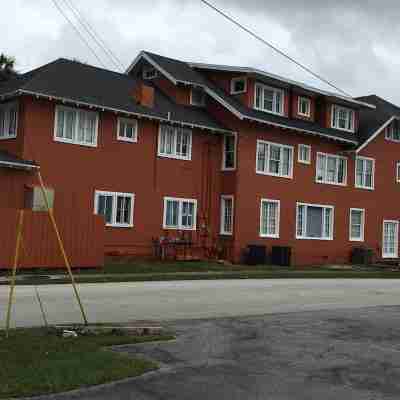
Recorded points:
(6, 67)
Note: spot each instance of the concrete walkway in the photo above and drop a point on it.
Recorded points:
(123, 302)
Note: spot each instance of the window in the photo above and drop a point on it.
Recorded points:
(304, 107)
(8, 120)
(174, 142)
(117, 208)
(269, 218)
(197, 97)
(269, 99)
(304, 153)
(180, 213)
(398, 172)
(274, 159)
(238, 85)
(226, 215)
(390, 245)
(149, 73)
(393, 131)
(357, 224)
(342, 118)
(229, 152)
(331, 169)
(365, 170)
(314, 221)
(76, 126)
(127, 130)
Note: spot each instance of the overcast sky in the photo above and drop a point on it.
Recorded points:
(355, 44)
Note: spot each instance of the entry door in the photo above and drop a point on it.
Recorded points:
(390, 245)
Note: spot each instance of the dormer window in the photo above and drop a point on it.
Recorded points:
(269, 99)
(304, 107)
(197, 97)
(149, 73)
(393, 131)
(8, 120)
(342, 118)
(238, 85)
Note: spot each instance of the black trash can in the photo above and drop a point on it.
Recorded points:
(281, 255)
(255, 254)
(362, 256)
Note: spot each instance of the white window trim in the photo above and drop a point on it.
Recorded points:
(175, 156)
(325, 182)
(203, 103)
(397, 172)
(282, 111)
(115, 195)
(133, 121)
(394, 255)
(6, 107)
(237, 79)
(300, 98)
(387, 137)
(179, 227)
(74, 141)
(373, 173)
(278, 219)
(149, 69)
(308, 162)
(290, 176)
(355, 239)
(223, 168)
(352, 130)
(222, 214)
(323, 221)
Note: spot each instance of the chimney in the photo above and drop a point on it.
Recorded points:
(144, 94)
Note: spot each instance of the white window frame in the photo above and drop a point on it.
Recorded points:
(362, 229)
(282, 146)
(299, 159)
(175, 155)
(132, 121)
(277, 222)
(203, 101)
(304, 225)
(115, 195)
(238, 79)
(225, 197)
(335, 123)
(281, 110)
(75, 140)
(398, 172)
(224, 167)
(396, 254)
(180, 226)
(362, 186)
(146, 74)
(389, 135)
(6, 108)
(300, 100)
(324, 179)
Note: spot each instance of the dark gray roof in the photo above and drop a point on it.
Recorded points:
(9, 160)
(372, 120)
(82, 83)
(182, 72)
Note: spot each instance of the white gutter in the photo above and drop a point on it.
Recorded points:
(18, 165)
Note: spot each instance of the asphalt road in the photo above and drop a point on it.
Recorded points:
(331, 354)
(124, 302)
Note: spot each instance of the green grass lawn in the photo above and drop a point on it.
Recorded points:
(35, 362)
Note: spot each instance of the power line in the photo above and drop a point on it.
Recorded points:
(78, 32)
(94, 35)
(282, 53)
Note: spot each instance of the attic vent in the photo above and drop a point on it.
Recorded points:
(149, 73)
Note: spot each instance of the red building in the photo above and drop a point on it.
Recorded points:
(222, 157)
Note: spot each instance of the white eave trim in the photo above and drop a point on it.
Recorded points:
(375, 134)
(18, 165)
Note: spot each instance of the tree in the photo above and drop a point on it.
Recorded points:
(6, 67)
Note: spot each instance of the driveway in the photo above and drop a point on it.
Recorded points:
(347, 354)
(121, 302)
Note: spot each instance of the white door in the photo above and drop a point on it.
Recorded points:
(390, 245)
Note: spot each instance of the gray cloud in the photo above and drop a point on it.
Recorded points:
(352, 43)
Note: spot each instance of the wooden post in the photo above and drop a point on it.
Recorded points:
(61, 245)
(14, 270)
